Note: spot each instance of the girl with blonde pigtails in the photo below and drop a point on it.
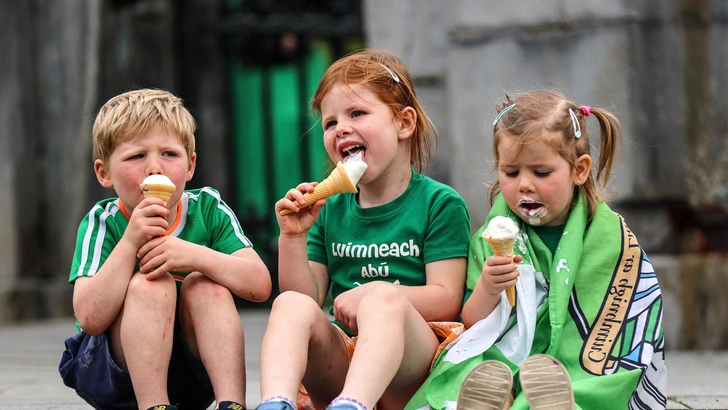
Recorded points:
(585, 331)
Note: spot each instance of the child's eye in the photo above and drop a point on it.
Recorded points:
(169, 154)
(329, 124)
(357, 113)
(510, 174)
(136, 156)
(542, 174)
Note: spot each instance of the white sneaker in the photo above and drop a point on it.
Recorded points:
(546, 384)
(486, 387)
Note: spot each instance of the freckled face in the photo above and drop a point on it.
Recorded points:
(356, 120)
(159, 151)
(538, 184)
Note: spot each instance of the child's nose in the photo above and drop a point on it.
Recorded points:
(153, 168)
(525, 184)
(343, 129)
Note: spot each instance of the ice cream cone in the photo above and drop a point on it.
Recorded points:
(336, 183)
(504, 247)
(161, 194)
(157, 186)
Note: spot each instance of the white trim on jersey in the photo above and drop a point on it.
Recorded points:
(223, 207)
(111, 209)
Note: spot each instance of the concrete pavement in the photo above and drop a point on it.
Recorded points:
(29, 355)
(30, 352)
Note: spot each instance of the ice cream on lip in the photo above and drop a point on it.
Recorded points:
(534, 214)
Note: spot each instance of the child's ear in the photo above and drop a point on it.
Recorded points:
(407, 123)
(582, 169)
(102, 174)
(191, 167)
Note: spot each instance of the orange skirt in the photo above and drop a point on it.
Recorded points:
(446, 332)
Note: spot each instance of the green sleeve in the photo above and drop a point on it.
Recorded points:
(477, 253)
(447, 232)
(225, 232)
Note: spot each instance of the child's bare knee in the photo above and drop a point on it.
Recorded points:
(141, 287)
(289, 301)
(384, 297)
(197, 286)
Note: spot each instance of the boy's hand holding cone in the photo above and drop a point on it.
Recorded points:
(501, 236)
(342, 179)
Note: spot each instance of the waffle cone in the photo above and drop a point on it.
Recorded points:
(336, 183)
(163, 195)
(163, 192)
(501, 246)
(504, 247)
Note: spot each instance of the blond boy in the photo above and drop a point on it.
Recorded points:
(154, 281)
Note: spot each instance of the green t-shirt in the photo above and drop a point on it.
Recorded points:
(202, 218)
(550, 235)
(392, 242)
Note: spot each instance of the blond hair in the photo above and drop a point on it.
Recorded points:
(544, 116)
(131, 114)
(385, 75)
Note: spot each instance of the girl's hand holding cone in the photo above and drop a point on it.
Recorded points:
(501, 235)
(504, 247)
(336, 183)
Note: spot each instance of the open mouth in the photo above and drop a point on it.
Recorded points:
(531, 208)
(353, 150)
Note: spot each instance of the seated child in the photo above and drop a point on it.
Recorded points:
(154, 280)
(586, 328)
(394, 254)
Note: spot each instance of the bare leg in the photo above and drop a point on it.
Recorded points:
(142, 337)
(301, 345)
(213, 332)
(393, 353)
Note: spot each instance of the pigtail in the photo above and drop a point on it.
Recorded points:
(610, 135)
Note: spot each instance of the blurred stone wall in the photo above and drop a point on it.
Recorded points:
(48, 83)
(61, 62)
(659, 66)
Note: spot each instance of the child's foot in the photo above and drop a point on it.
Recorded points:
(345, 403)
(163, 407)
(341, 406)
(274, 405)
(486, 387)
(230, 405)
(546, 384)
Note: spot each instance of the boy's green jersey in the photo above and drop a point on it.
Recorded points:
(202, 218)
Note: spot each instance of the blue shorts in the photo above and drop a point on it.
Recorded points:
(87, 367)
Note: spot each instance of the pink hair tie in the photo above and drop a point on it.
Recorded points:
(585, 110)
